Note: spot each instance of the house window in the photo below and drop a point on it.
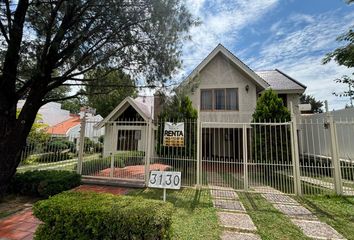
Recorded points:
(206, 99)
(219, 96)
(284, 98)
(219, 99)
(231, 99)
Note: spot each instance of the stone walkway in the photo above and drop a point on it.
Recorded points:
(232, 214)
(22, 225)
(310, 225)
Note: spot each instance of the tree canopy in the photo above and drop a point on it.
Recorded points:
(316, 105)
(344, 56)
(179, 108)
(108, 85)
(48, 44)
(270, 108)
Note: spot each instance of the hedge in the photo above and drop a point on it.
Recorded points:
(44, 183)
(89, 215)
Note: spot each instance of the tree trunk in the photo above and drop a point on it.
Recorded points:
(14, 133)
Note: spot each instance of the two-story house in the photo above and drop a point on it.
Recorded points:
(224, 89)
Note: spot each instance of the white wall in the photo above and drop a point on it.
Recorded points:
(51, 113)
(111, 138)
(315, 137)
(221, 73)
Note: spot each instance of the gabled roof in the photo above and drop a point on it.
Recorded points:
(138, 104)
(279, 81)
(63, 127)
(221, 49)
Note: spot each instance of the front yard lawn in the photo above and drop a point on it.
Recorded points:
(271, 224)
(334, 210)
(194, 218)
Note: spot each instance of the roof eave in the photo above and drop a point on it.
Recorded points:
(220, 48)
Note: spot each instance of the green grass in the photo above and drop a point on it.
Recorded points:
(334, 210)
(271, 224)
(194, 218)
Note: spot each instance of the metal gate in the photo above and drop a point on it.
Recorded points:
(326, 155)
(248, 156)
(115, 152)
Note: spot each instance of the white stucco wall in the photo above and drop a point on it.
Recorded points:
(295, 99)
(221, 73)
(51, 113)
(111, 138)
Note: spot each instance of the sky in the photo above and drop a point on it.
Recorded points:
(290, 35)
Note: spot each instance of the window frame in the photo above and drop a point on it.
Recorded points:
(213, 100)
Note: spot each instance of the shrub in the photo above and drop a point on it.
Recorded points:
(88, 215)
(91, 167)
(44, 183)
(92, 146)
(60, 145)
(54, 157)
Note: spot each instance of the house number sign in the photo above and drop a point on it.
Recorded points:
(169, 180)
(165, 180)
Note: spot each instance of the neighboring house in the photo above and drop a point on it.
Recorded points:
(51, 113)
(70, 128)
(62, 124)
(125, 126)
(221, 86)
(226, 90)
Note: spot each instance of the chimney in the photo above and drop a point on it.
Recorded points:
(157, 104)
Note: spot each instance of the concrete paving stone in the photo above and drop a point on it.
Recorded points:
(228, 235)
(295, 211)
(239, 221)
(229, 205)
(317, 230)
(215, 193)
(279, 198)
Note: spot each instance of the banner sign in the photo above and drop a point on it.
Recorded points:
(173, 135)
(166, 180)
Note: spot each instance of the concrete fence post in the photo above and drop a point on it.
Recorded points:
(111, 173)
(148, 145)
(199, 149)
(245, 157)
(338, 186)
(81, 145)
(295, 152)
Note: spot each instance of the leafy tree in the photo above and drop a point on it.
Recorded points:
(344, 56)
(113, 95)
(46, 44)
(270, 141)
(179, 109)
(73, 105)
(316, 106)
(270, 108)
(348, 93)
(37, 135)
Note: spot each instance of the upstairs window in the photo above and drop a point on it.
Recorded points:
(219, 99)
(231, 99)
(219, 96)
(206, 99)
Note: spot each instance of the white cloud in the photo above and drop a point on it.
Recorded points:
(221, 22)
(295, 44)
(299, 52)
